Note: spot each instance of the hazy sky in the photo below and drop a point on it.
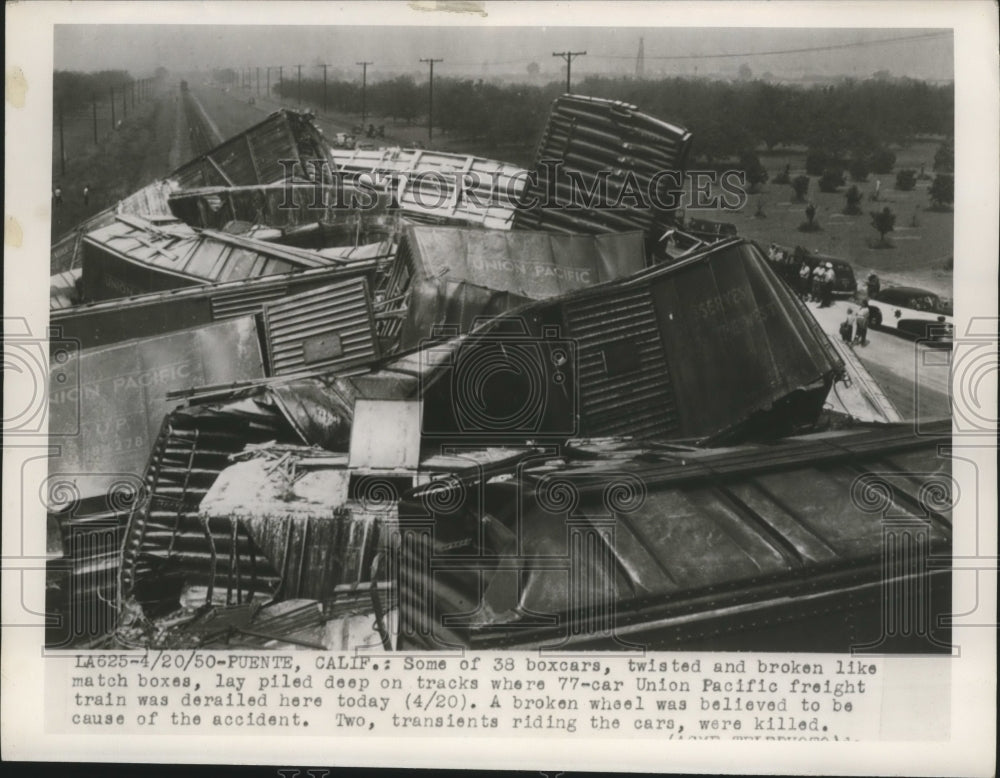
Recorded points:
(477, 51)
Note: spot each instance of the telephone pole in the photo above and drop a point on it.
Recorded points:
(569, 56)
(113, 122)
(93, 103)
(300, 84)
(268, 80)
(430, 99)
(258, 80)
(364, 85)
(62, 142)
(324, 86)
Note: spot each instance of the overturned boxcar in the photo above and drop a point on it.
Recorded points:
(829, 542)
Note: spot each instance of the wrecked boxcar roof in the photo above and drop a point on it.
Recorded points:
(133, 256)
(438, 186)
(63, 289)
(750, 548)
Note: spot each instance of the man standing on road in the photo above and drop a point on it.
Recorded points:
(847, 327)
(873, 285)
(861, 324)
(817, 282)
(57, 195)
(86, 194)
(828, 280)
(804, 274)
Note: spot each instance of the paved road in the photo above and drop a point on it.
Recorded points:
(910, 374)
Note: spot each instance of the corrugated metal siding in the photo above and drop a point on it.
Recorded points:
(591, 136)
(424, 183)
(337, 312)
(193, 447)
(252, 157)
(637, 401)
(245, 301)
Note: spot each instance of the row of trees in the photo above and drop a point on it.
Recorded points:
(475, 109)
(849, 121)
(74, 90)
(941, 192)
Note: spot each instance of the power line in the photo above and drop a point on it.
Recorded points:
(831, 47)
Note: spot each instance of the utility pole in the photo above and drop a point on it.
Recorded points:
(364, 87)
(268, 80)
(281, 82)
(258, 81)
(569, 56)
(62, 141)
(124, 101)
(93, 103)
(324, 86)
(300, 84)
(113, 122)
(430, 99)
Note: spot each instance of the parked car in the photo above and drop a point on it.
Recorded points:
(343, 140)
(913, 313)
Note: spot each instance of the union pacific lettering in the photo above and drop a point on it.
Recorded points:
(532, 269)
(155, 377)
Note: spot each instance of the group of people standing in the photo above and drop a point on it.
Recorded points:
(816, 283)
(854, 329)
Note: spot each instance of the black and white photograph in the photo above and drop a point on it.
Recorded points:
(471, 369)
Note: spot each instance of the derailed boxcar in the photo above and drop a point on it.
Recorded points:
(134, 256)
(714, 346)
(112, 321)
(108, 403)
(603, 165)
(830, 542)
(263, 154)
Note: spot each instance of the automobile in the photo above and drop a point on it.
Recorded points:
(343, 140)
(914, 313)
